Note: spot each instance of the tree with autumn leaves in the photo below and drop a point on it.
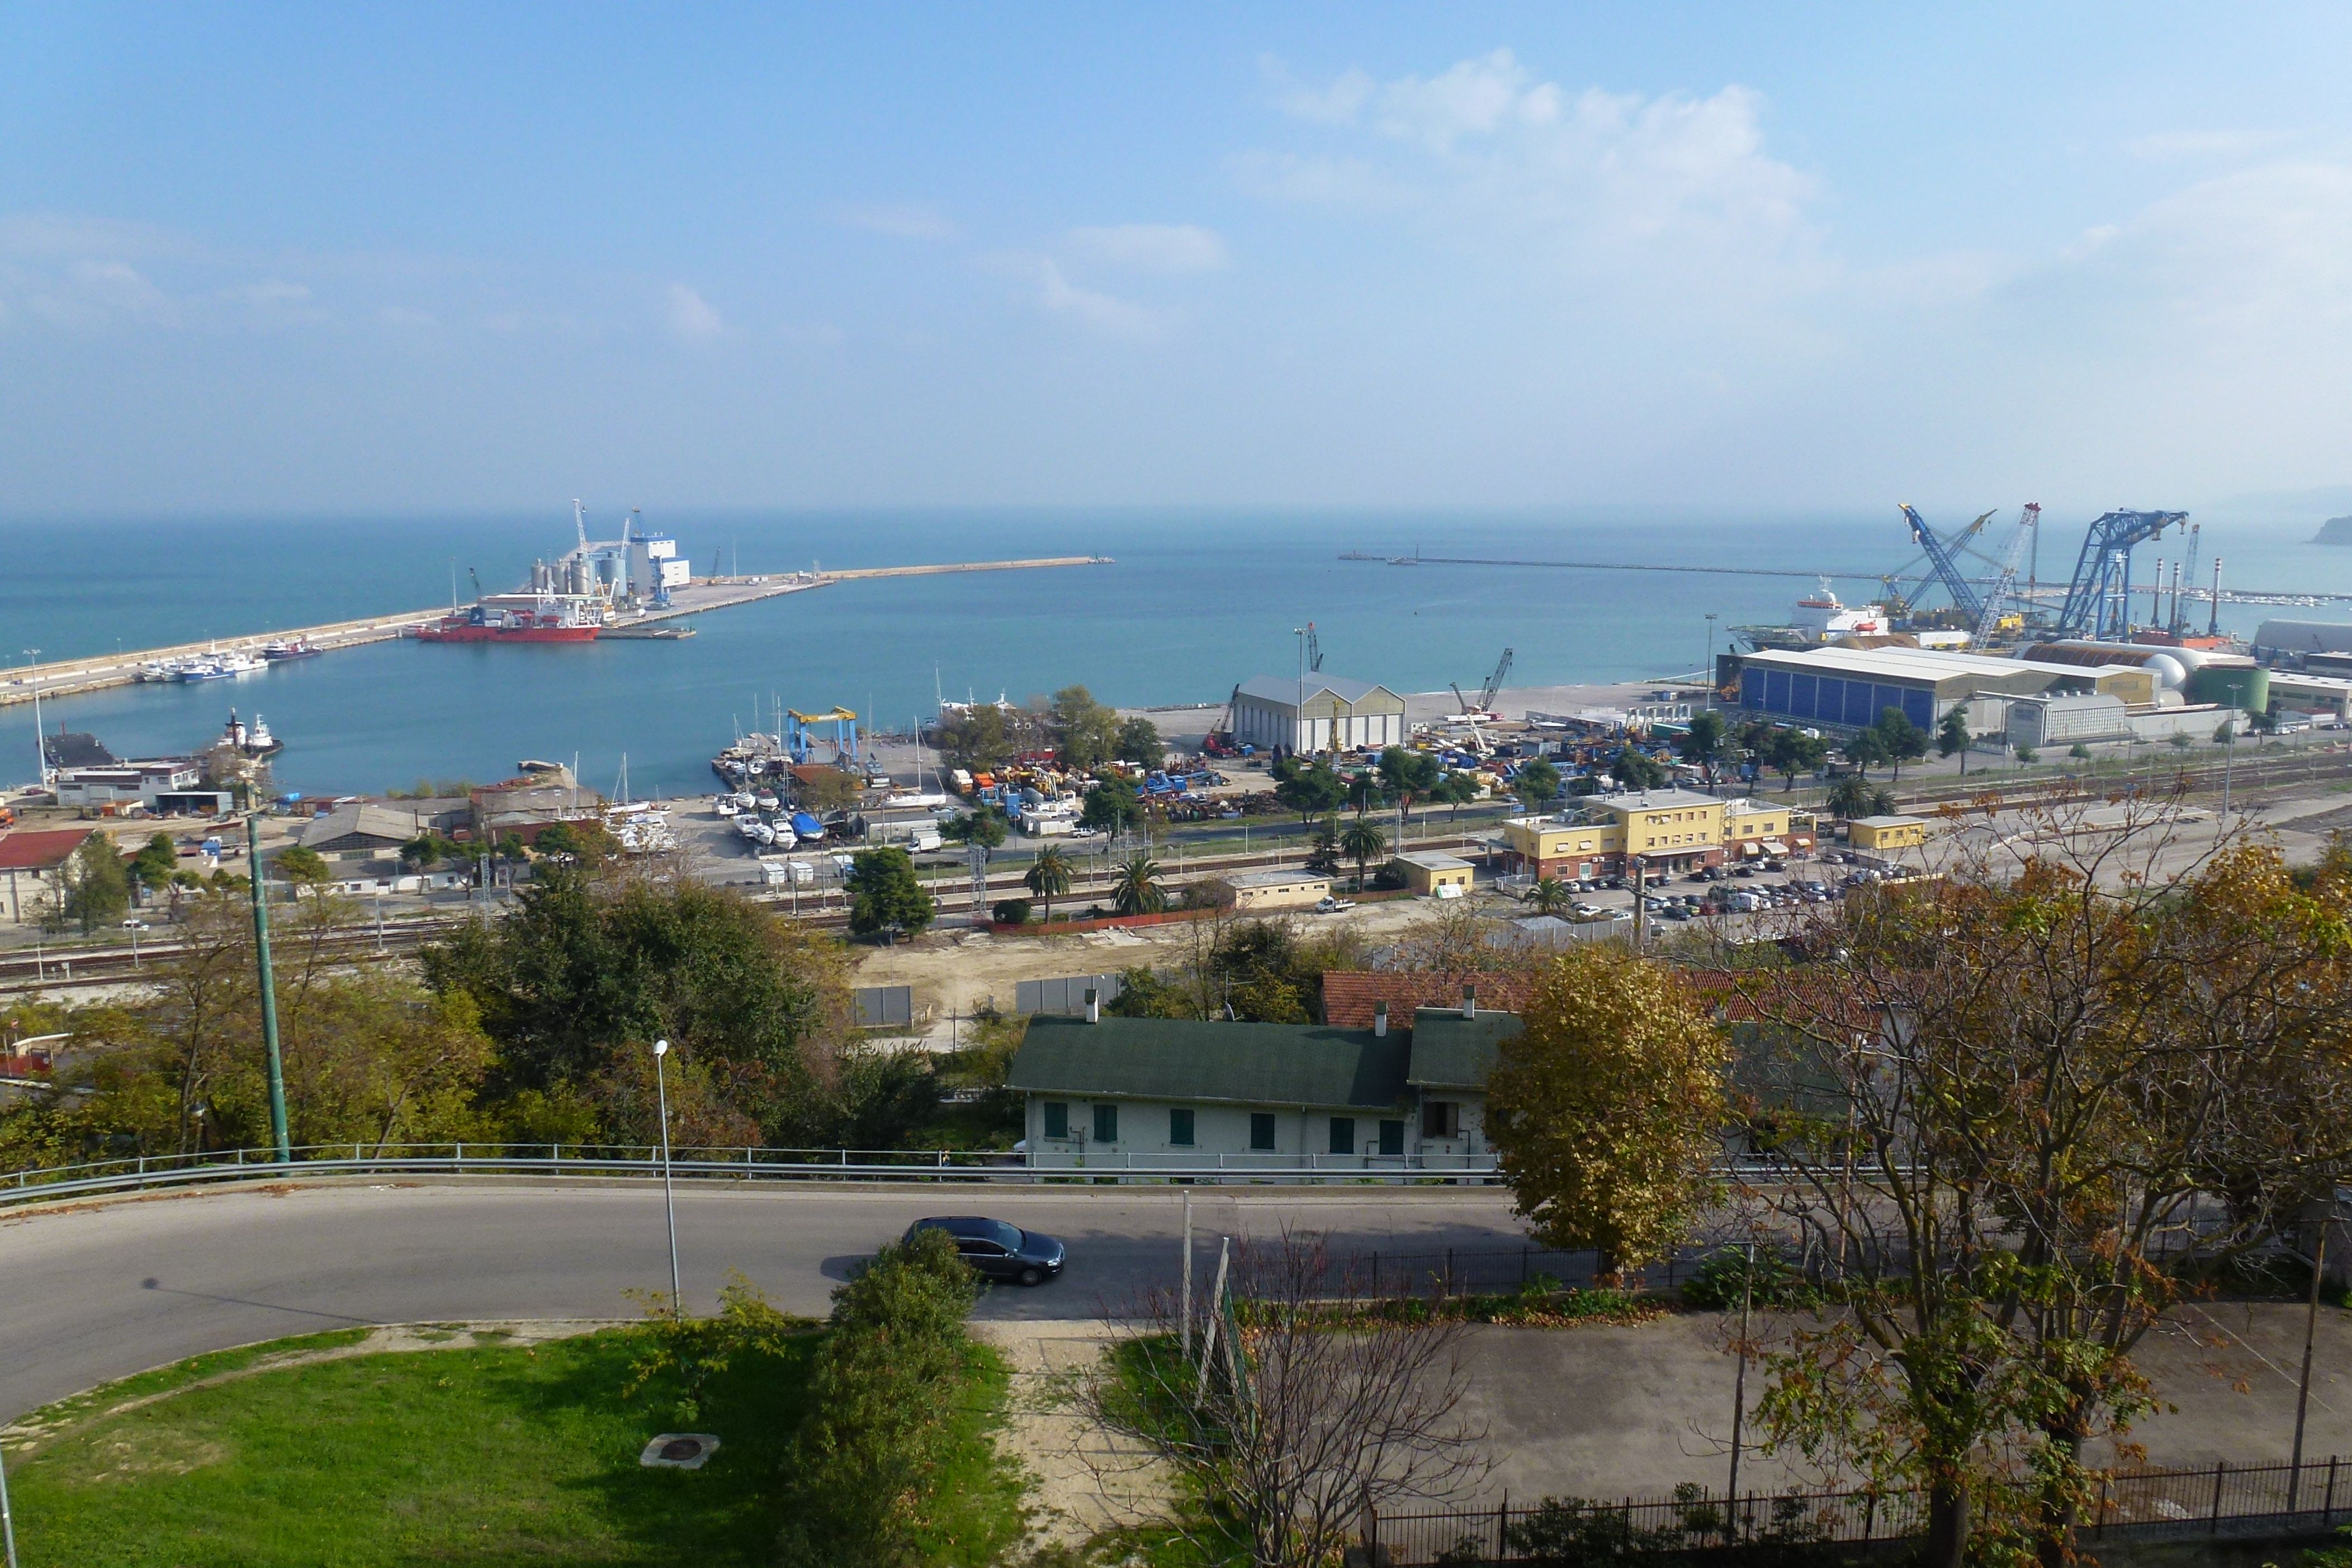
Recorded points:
(2019, 1111)
(1607, 1110)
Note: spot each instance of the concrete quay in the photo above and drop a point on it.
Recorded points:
(66, 678)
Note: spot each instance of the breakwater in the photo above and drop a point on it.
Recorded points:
(66, 678)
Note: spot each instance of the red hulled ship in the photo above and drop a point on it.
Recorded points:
(519, 617)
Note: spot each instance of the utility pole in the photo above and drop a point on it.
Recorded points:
(2310, 1329)
(269, 988)
(1706, 671)
(1739, 1396)
(1300, 632)
(40, 746)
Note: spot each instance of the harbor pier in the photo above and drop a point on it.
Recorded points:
(71, 677)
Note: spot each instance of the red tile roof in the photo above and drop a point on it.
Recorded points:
(43, 850)
(1348, 995)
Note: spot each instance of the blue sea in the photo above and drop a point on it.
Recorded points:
(1193, 602)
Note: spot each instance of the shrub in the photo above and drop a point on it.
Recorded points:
(1010, 911)
(1771, 1281)
(882, 1394)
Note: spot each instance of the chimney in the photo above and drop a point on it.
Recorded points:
(1094, 1005)
(1380, 1020)
(1469, 1001)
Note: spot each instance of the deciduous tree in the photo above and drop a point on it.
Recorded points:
(1608, 1108)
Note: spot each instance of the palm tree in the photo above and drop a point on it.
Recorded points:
(1548, 896)
(1137, 889)
(1851, 796)
(1048, 877)
(1362, 842)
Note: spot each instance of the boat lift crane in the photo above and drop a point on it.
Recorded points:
(1943, 566)
(2098, 600)
(2004, 588)
(800, 738)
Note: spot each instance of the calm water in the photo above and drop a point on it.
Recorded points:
(1195, 603)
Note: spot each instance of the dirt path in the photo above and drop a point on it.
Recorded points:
(1086, 1481)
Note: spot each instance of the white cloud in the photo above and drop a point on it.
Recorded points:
(1154, 247)
(902, 220)
(1671, 187)
(1099, 311)
(689, 315)
(1337, 104)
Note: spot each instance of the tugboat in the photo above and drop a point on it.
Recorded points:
(251, 739)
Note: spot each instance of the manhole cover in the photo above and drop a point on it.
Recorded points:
(679, 1451)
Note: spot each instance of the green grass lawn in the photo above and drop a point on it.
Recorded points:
(481, 1453)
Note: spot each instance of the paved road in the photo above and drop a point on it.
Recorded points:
(101, 1292)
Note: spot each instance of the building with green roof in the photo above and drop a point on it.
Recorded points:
(1150, 1093)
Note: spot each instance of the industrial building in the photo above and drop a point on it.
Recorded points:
(1317, 713)
(1851, 687)
(641, 567)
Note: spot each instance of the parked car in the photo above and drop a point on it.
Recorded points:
(998, 1250)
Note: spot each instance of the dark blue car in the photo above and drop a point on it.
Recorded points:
(997, 1250)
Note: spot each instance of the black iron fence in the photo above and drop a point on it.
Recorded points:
(2223, 1500)
(1494, 1271)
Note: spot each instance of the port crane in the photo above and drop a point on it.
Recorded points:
(800, 738)
(1484, 707)
(2098, 600)
(1942, 565)
(1313, 650)
(2004, 587)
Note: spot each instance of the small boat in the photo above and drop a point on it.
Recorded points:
(807, 826)
(723, 805)
(765, 801)
(252, 739)
(194, 670)
(533, 765)
(292, 648)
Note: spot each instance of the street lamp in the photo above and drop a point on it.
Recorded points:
(2328, 1216)
(1706, 671)
(670, 1194)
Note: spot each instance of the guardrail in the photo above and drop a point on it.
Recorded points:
(133, 1173)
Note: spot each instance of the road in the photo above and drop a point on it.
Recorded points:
(96, 1292)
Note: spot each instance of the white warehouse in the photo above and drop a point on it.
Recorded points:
(1321, 712)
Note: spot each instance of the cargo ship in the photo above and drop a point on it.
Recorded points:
(519, 617)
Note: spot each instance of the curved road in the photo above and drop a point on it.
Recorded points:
(95, 1292)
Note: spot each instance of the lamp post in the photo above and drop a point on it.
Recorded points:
(1299, 633)
(1706, 671)
(670, 1194)
(7, 1519)
(268, 987)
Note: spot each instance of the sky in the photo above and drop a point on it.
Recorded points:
(309, 259)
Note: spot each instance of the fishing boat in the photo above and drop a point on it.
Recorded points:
(292, 648)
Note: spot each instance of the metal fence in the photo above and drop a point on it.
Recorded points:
(1065, 997)
(2223, 1500)
(132, 1172)
(885, 1007)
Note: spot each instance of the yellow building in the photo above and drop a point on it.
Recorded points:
(1432, 875)
(1880, 834)
(1279, 889)
(1667, 829)
(1753, 828)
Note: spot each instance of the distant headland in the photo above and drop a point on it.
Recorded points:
(2334, 532)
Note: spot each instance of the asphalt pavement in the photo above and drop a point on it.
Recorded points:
(92, 1292)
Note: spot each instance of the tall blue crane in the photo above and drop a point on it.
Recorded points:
(1946, 570)
(2098, 601)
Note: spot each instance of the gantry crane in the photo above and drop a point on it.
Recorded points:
(2098, 600)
